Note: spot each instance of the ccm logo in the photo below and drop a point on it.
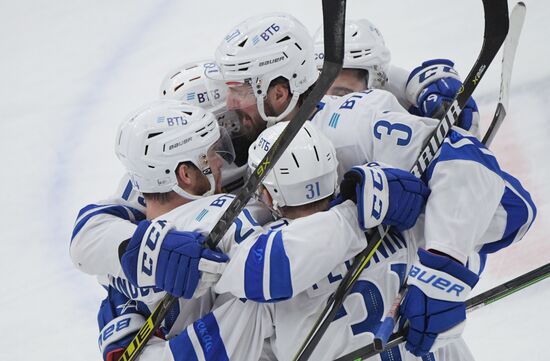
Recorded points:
(436, 281)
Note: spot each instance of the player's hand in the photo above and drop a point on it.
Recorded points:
(119, 320)
(434, 303)
(432, 86)
(388, 196)
(171, 260)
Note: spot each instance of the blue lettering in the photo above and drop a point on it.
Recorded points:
(270, 31)
(457, 288)
(441, 283)
(220, 201)
(147, 269)
(376, 213)
(264, 144)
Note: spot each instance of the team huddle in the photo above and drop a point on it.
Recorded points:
(346, 172)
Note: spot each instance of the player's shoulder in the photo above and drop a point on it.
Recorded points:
(199, 214)
(355, 105)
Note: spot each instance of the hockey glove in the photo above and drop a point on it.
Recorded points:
(119, 321)
(434, 303)
(388, 196)
(432, 86)
(171, 260)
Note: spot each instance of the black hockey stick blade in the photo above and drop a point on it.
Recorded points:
(496, 28)
(334, 12)
(517, 18)
(492, 295)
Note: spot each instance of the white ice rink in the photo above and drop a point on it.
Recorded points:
(70, 72)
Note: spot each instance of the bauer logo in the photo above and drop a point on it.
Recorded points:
(441, 283)
(179, 144)
(271, 61)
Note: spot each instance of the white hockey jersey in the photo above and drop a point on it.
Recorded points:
(372, 126)
(238, 329)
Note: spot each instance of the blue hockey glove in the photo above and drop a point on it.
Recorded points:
(432, 86)
(171, 260)
(388, 196)
(434, 303)
(119, 320)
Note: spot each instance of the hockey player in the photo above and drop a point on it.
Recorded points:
(188, 83)
(424, 91)
(301, 185)
(268, 63)
(101, 227)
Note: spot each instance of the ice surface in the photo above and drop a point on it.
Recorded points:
(71, 70)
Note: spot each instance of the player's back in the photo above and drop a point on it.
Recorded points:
(356, 322)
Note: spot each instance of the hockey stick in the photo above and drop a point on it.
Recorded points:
(496, 28)
(483, 299)
(334, 12)
(509, 53)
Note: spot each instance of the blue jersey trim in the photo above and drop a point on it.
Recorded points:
(123, 212)
(471, 152)
(279, 276)
(254, 269)
(516, 211)
(182, 348)
(208, 333)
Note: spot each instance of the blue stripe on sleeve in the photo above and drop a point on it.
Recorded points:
(127, 213)
(254, 270)
(208, 333)
(182, 348)
(517, 214)
(471, 152)
(279, 275)
(127, 191)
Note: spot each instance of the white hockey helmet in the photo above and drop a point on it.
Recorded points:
(364, 48)
(263, 48)
(155, 139)
(190, 83)
(305, 173)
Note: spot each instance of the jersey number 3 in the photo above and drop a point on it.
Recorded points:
(401, 131)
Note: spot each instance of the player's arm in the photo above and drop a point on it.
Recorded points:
(100, 228)
(481, 203)
(236, 330)
(286, 260)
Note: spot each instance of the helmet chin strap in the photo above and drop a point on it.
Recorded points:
(273, 120)
(188, 195)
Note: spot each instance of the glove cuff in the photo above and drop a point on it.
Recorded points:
(441, 278)
(119, 328)
(150, 241)
(372, 194)
(425, 74)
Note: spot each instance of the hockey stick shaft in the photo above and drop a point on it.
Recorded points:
(333, 19)
(496, 28)
(508, 56)
(490, 296)
(509, 52)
